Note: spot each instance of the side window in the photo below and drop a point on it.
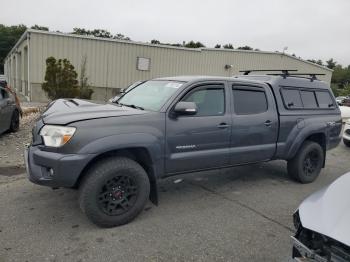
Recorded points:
(210, 100)
(248, 101)
(309, 99)
(324, 99)
(292, 98)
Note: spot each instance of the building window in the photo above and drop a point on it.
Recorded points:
(143, 64)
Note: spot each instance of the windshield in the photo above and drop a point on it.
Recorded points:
(150, 95)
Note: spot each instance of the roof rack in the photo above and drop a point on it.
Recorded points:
(313, 76)
(284, 71)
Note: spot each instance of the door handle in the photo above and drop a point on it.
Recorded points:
(223, 125)
(268, 123)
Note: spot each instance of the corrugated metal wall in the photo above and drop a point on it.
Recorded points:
(113, 64)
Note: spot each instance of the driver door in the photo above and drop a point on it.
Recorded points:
(200, 141)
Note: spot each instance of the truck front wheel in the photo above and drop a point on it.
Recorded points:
(307, 163)
(114, 191)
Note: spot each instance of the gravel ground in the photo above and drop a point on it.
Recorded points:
(12, 146)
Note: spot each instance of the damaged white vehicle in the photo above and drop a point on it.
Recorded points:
(322, 222)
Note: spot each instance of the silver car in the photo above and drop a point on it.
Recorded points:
(9, 112)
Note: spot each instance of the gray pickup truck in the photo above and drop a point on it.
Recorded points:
(115, 153)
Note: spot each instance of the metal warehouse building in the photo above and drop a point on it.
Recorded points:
(114, 64)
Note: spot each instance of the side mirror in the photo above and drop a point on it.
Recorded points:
(185, 108)
(122, 90)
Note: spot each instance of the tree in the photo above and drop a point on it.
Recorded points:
(193, 44)
(155, 42)
(228, 46)
(85, 91)
(9, 35)
(38, 27)
(60, 79)
(331, 63)
(98, 33)
(121, 37)
(217, 46)
(245, 48)
(318, 62)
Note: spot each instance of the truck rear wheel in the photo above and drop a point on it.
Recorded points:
(307, 163)
(114, 191)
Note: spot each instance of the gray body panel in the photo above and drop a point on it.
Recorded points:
(7, 107)
(192, 143)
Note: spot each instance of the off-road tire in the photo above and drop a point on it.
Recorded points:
(14, 125)
(346, 142)
(298, 166)
(99, 177)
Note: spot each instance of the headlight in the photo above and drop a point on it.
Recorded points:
(56, 136)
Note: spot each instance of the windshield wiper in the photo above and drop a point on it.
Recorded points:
(133, 106)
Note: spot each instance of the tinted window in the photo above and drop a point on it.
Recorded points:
(309, 99)
(292, 98)
(324, 99)
(247, 101)
(210, 101)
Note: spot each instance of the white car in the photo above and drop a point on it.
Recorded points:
(322, 222)
(345, 113)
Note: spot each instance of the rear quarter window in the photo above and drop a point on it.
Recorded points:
(308, 98)
(324, 99)
(292, 98)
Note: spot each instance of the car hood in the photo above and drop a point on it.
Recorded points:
(328, 210)
(65, 111)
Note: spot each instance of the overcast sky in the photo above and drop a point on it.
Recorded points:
(317, 29)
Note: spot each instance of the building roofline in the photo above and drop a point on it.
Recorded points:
(29, 30)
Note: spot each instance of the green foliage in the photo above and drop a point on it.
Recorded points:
(228, 46)
(318, 62)
(217, 46)
(245, 48)
(193, 44)
(155, 42)
(9, 35)
(331, 63)
(39, 27)
(98, 33)
(85, 91)
(60, 79)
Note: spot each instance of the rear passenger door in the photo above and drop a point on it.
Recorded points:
(255, 124)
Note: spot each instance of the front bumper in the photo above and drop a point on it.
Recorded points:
(54, 169)
(307, 255)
